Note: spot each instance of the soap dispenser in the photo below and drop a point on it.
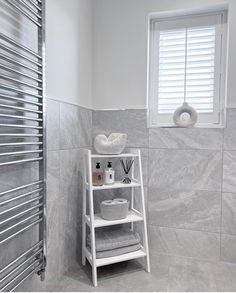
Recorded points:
(109, 174)
(98, 176)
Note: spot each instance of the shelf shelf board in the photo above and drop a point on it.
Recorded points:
(117, 184)
(100, 222)
(115, 259)
(114, 156)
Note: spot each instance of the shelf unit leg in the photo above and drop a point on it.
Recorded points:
(146, 247)
(92, 227)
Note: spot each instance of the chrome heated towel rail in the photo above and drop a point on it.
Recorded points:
(22, 142)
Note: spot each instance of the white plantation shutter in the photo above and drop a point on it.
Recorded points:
(186, 65)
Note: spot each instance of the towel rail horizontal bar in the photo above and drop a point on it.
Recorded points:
(21, 231)
(16, 53)
(38, 244)
(21, 161)
(16, 117)
(3, 76)
(30, 9)
(11, 88)
(13, 61)
(35, 5)
(20, 100)
(20, 223)
(20, 126)
(20, 196)
(21, 205)
(21, 214)
(36, 262)
(20, 188)
(13, 42)
(21, 109)
(20, 135)
(21, 11)
(20, 153)
(19, 144)
(26, 277)
(39, 251)
(9, 69)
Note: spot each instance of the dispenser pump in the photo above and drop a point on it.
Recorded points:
(109, 165)
(98, 165)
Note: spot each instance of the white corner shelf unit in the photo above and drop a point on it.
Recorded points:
(94, 221)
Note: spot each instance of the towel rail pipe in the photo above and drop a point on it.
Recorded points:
(20, 196)
(3, 76)
(20, 222)
(9, 69)
(13, 61)
(21, 214)
(11, 88)
(21, 11)
(20, 109)
(21, 265)
(19, 144)
(19, 275)
(30, 9)
(21, 205)
(16, 53)
(26, 277)
(21, 231)
(20, 153)
(20, 188)
(16, 44)
(39, 244)
(21, 161)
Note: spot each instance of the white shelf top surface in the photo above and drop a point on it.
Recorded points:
(117, 184)
(115, 259)
(100, 222)
(126, 155)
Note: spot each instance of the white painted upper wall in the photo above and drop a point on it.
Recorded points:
(120, 29)
(68, 51)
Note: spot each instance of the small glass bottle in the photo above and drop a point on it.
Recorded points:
(109, 174)
(98, 176)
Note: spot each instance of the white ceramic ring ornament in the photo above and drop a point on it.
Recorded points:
(185, 109)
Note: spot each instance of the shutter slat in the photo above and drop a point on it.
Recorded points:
(200, 69)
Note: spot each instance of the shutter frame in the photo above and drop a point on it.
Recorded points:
(205, 119)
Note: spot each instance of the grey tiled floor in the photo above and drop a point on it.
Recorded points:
(168, 273)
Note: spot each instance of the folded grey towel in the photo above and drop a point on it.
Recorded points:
(114, 237)
(117, 251)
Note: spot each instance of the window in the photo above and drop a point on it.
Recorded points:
(186, 63)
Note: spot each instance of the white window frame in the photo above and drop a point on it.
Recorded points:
(165, 120)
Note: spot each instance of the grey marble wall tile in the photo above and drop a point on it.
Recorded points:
(54, 263)
(132, 122)
(229, 213)
(185, 169)
(53, 125)
(185, 138)
(191, 275)
(231, 118)
(75, 126)
(229, 171)
(194, 210)
(71, 205)
(228, 251)
(229, 131)
(187, 243)
(229, 139)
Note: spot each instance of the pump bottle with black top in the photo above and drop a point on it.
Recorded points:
(98, 176)
(109, 174)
